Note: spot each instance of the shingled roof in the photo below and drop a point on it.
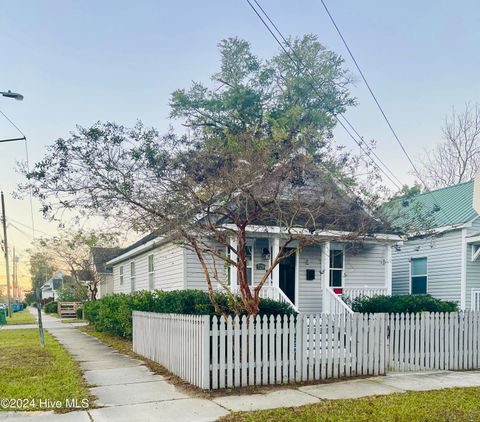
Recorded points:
(102, 255)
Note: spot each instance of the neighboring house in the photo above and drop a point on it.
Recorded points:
(99, 257)
(445, 261)
(310, 280)
(50, 287)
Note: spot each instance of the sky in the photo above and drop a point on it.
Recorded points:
(81, 62)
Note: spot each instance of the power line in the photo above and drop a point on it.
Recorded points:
(396, 182)
(24, 138)
(29, 227)
(387, 120)
(13, 124)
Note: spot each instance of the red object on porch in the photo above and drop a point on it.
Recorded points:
(338, 290)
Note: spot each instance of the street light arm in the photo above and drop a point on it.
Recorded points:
(13, 139)
(10, 94)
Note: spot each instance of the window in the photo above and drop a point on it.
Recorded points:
(151, 273)
(418, 272)
(121, 275)
(336, 267)
(249, 254)
(132, 276)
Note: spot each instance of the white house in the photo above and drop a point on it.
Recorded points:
(311, 279)
(444, 262)
(99, 257)
(50, 287)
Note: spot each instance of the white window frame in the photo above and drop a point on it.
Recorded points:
(334, 247)
(410, 273)
(132, 276)
(151, 271)
(251, 243)
(121, 275)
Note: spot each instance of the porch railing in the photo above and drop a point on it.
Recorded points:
(334, 304)
(353, 292)
(275, 293)
(271, 292)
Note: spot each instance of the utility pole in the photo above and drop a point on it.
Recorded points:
(14, 277)
(17, 258)
(5, 246)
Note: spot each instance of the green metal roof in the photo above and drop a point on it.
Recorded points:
(442, 207)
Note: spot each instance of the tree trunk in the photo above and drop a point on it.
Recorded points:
(249, 301)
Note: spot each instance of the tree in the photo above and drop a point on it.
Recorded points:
(457, 158)
(71, 252)
(42, 267)
(73, 293)
(259, 151)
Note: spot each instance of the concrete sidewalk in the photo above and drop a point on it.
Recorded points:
(125, 388)
(128, 391)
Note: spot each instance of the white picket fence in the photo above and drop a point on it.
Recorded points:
(178, 342)
(430, 341)
(214, 353)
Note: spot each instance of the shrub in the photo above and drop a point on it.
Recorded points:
(46, 300)
(79, 313)
(50, 307)
(402, 303)
(113, 313)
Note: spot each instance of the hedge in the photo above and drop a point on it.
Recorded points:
(402, 303)
(50, 307)
(113, 313)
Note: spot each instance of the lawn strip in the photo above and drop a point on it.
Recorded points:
(453, 404)
(37, 374)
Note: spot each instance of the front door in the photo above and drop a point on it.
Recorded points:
(287, 276)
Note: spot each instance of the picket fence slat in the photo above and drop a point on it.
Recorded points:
(217, 352)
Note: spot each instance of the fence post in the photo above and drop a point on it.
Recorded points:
(205, 360)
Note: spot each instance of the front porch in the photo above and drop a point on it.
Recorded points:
(317, 277)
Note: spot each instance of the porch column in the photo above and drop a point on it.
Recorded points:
(233, 270)
(325, 266)
(276, 270)
(388, 269)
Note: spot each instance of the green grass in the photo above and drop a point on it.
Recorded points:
(28, 371)
(453, 404)
(22, 317)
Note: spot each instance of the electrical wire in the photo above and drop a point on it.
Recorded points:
(360, 143)
(27, 162)
(377, 102)
(341, 123)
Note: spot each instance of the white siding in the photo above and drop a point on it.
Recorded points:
(169, 270)
(117, 287)
(310, 291)
(259, 245)
(195, 277)
(444, 265)
(365, 266)
(169, 265)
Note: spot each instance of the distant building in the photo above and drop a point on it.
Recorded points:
(49, 289)
(99, 259)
